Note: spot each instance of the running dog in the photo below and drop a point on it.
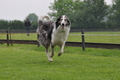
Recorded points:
(53, 34)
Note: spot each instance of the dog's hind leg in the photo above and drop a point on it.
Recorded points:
(48, 55)
(61, 50)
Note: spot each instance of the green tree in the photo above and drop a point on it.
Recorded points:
(95, 11)
(4, 24)
(117, 12)
(13, 25)
(32, 17)
(87, 14)
(110, 21)
(16, 25)
(71, 8)
(114, 15)
(60, 7)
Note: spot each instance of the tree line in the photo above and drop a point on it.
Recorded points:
(84, 14)
(19, 25)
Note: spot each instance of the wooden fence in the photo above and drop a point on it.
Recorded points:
(82, 44)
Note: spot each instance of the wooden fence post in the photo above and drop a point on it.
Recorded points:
(83, 40)
(10, 37)
(7, 36)
(37, 39)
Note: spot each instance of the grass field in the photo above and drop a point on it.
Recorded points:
(96, 38)
(75, 38)
(29, 62)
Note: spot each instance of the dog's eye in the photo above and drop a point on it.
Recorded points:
(61, 19)
(65, 19)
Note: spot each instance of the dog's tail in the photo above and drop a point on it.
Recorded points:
(44, 18)
(41, 20)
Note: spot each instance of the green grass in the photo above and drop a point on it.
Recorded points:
(96, 38)
(29, 62)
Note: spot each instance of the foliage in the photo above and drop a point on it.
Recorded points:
(32, 17)
(95, 11)
(114, 15)
(15, 24)
(59, 10)
(87, 14)
(34, 25)
(4, 24)
(19, 25)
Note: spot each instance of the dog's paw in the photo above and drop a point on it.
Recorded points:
(50, 59)
(59, 54)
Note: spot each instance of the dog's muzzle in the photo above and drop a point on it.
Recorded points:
(63, 25)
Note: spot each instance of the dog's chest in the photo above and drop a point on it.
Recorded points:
(59, 37)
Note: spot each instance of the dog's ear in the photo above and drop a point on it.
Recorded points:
(58, 22)
(68, 22)
(40, 23)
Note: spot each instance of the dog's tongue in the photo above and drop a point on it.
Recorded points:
(63, 27)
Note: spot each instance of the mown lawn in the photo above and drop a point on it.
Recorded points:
(29, 62)
(96, 37)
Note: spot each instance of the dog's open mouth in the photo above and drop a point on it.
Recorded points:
(63, 26)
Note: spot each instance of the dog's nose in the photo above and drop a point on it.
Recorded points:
(62, 24)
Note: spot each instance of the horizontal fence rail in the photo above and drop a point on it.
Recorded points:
(73, 44)
(97, 34)
(82, 44)
(73, 34)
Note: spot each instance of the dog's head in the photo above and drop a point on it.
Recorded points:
(63, 21)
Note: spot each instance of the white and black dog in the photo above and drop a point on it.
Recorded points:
(53, 33)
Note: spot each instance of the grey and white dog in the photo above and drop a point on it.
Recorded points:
(53, 33)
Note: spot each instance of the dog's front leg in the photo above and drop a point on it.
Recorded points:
(52, 47)
(48, 55)
(61, 50)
